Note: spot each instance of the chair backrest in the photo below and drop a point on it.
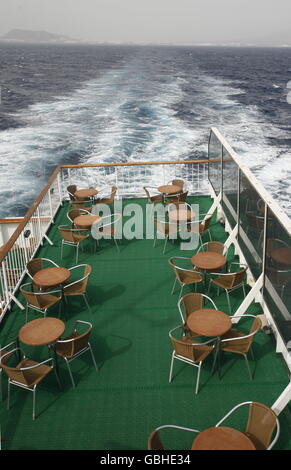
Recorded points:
(113, 193)
(81, 285)
(238, 277)
(165, 227)
(178, 182)
(73, 213)
(14, 373)
(154, 441)
(261, 424)
(70, 235)
(34, 265)
(37, 299)
(217, 247)
(76, 343)
(179, 271)
(185, 346)
(72, 188)
(203, 226)
(191, 302)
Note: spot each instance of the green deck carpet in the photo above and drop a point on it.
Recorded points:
(132, 313)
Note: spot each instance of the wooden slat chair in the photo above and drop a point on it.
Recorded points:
(182, 275)
(238, 342)
(37, 264)
(166, 229)
(191, 302)
(74, 345)
(107, 228)
(79, 287)
(9, 347)
(73, 213)
(106, 199)
(40, 301)
(262, 427)
(26, 374)
(216, 247)
(72, 237)
(185, 349)
(176, 198)
(230, 281)
(261, 424)
(72, 188)
(154, 439)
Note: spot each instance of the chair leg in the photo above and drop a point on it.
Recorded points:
(33, 403)
(171, 367)
(198, 378)
(181, 291)
(174, 285)
(77, 253)
(116, 244)
(58, 378)
(93, 358)
(248, 366)
(87, 303)
(70, 372)
(228, 301)
(165, 244)
(244, 289)
(62, 248)
(8, 395)
(155, 240)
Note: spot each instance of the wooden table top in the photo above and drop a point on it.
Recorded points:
(169, 189)
(87, 220)
(209, 322)
(208, 260)
(41, 331)
(182, 215)
(90, 192)
(282, 256)
(222, 438)
(50, 277)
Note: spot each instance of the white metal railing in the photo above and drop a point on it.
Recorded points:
(130, 178)
(232, 181)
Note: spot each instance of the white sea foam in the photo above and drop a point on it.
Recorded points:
(126, 115)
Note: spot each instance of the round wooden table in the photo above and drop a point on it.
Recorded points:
(51, 277)
(169, 189)
(86, 221)
(222, 438)
(209, 322)
(208, 260)
(41, 331)
(282, 256)
(181, 215)
(84, 193)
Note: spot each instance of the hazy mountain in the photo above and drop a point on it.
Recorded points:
(21, 35)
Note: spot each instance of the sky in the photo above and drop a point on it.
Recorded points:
(154, 21)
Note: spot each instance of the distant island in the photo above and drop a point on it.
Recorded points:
(22, 35)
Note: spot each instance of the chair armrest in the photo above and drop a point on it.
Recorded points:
(51, 359)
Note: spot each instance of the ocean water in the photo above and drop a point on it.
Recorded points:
(79, 104)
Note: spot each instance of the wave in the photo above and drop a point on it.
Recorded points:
(132, 113)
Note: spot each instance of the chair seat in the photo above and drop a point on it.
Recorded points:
(48, 300)
(200, 352)
(157, 198)
(257, 443)
(224, 282)
(73, 290)
(189, 278)
(239, 347)
(33, 376)
(62, 349)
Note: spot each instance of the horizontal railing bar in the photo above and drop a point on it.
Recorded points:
(92, 165)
